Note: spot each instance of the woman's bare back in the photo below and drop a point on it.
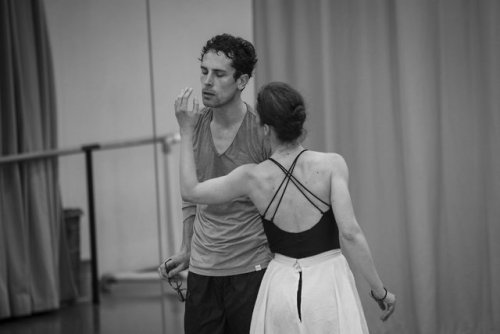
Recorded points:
(295, 212)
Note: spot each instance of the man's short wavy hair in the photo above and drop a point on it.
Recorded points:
(239, 50)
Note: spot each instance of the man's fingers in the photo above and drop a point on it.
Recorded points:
(178, 99)
(174, 272)
(180, 96)
(162, 272)
(196, 105)
(176, 104)
(169, 264)
(185, 93)
(171, 268)
(181, 102)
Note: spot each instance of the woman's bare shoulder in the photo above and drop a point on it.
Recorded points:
(327, 159)
(262, 169)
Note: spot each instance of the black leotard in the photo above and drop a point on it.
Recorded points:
(321, 237)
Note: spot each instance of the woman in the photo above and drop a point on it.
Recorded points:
(308, 218)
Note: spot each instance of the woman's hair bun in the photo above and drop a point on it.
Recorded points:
(282, 107)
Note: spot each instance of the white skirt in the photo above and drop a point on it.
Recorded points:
(328, 303)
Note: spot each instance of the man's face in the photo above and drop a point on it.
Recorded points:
(217, 82)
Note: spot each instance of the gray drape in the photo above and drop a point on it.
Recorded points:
(408, 93)
(34, 269)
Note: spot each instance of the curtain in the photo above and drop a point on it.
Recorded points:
(408, 93)
(34, 263)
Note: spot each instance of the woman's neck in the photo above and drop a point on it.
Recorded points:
(285, 150)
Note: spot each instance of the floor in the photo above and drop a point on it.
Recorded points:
(127, 306)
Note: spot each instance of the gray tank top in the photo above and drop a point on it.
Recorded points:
(228, 238)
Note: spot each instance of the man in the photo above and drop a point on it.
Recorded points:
(224, 245)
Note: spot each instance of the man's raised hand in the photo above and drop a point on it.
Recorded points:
(185, 117)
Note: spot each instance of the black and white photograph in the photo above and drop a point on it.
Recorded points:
(249, 166)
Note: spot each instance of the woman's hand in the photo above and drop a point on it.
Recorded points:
(386, 303)
(186, 118)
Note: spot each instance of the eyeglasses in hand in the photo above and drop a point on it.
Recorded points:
(176, 284)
